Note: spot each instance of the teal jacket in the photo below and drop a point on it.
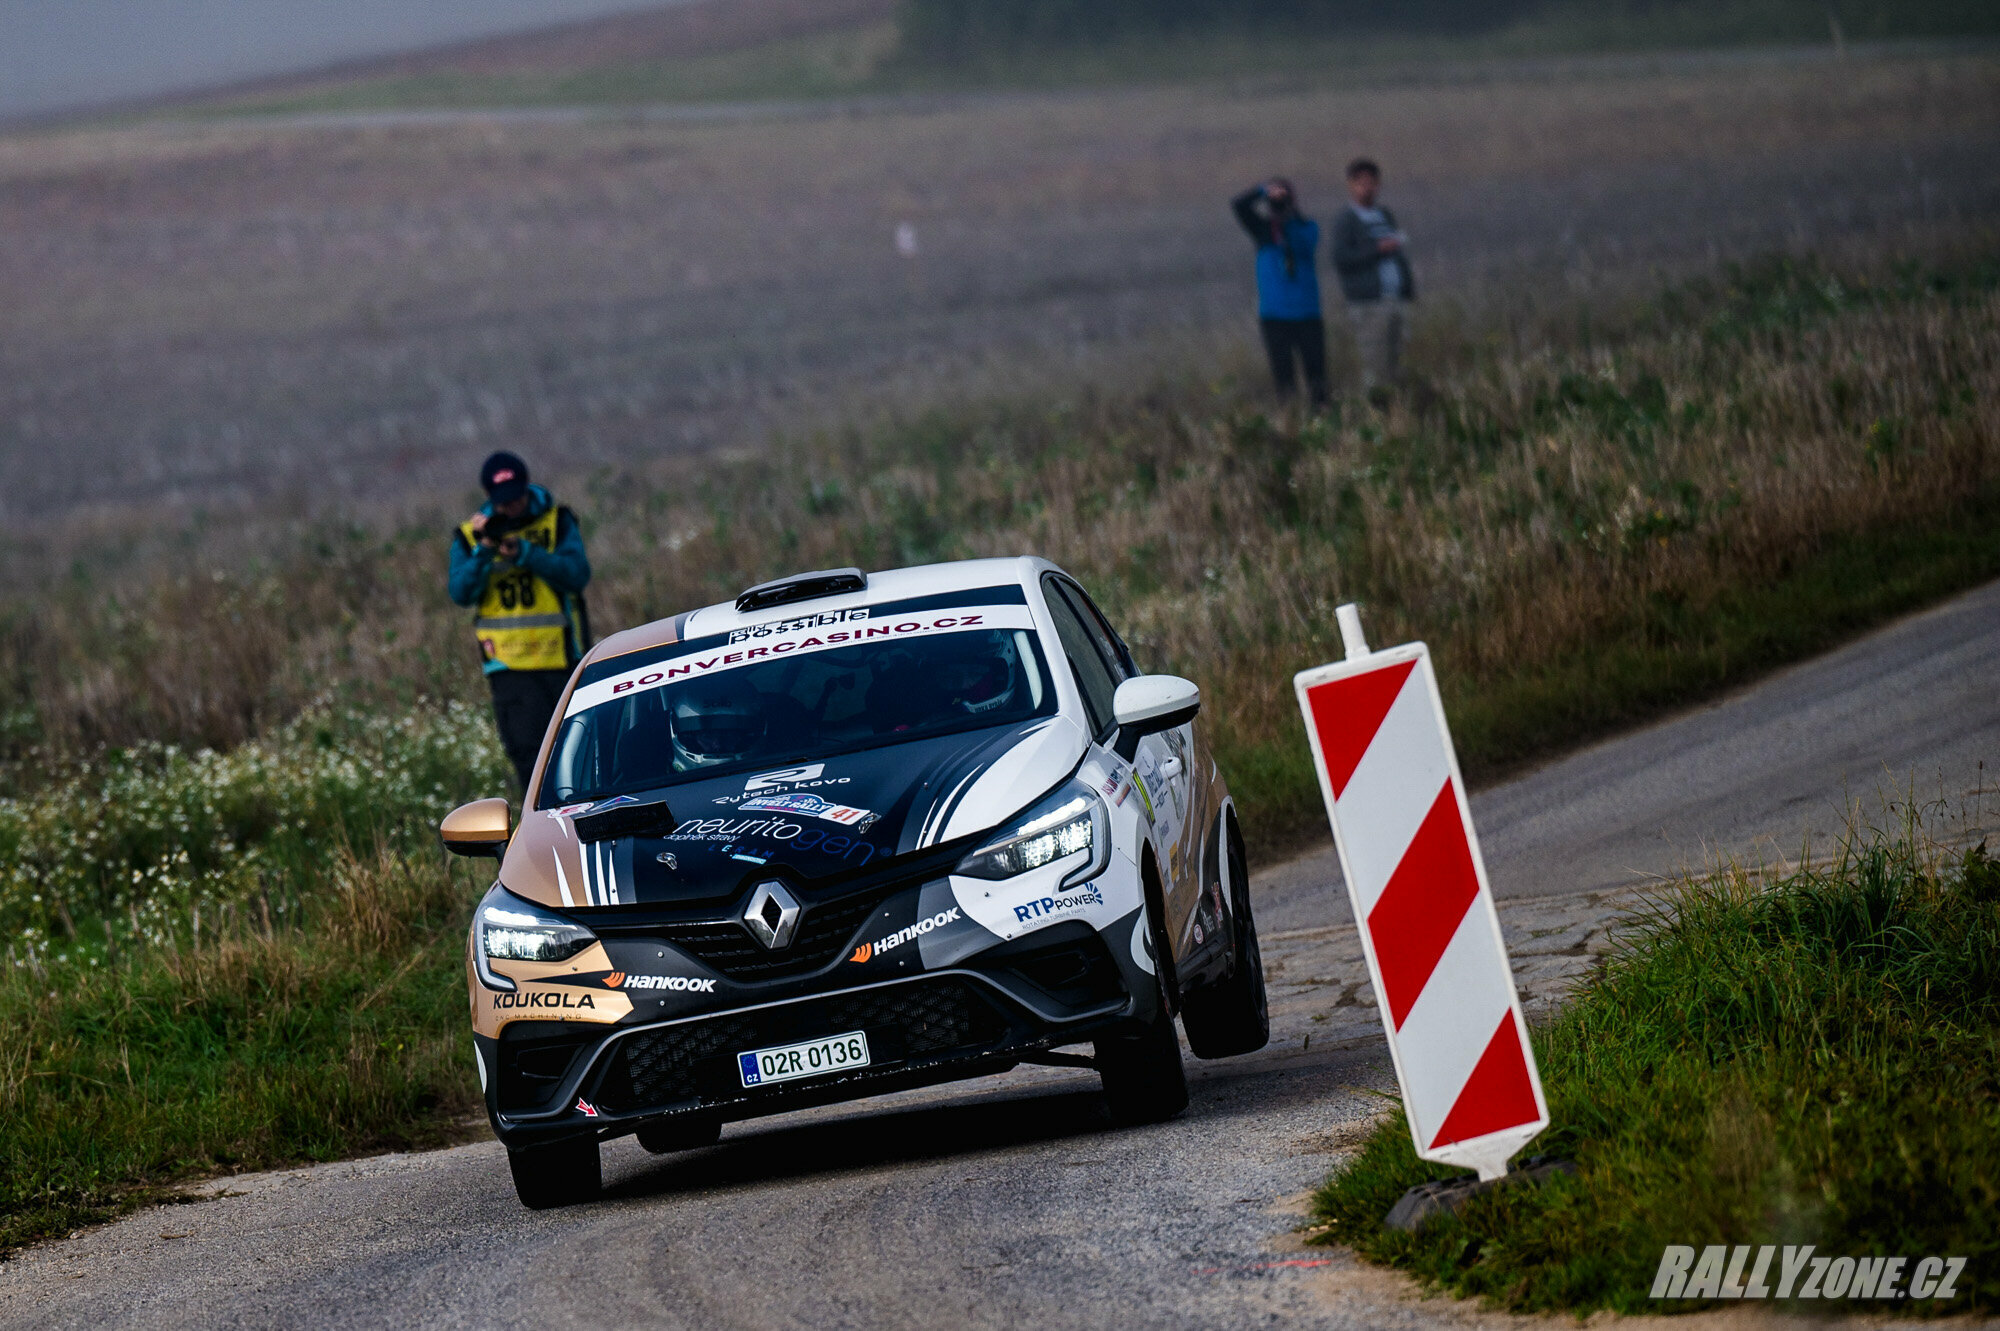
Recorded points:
(565, 568)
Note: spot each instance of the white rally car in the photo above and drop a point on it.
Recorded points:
(847, 835)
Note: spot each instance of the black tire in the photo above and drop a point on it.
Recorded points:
(562, 1174)
(1232, 1016)
(1144, 1081)
(679, 1134)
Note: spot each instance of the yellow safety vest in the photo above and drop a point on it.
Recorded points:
(522, 622)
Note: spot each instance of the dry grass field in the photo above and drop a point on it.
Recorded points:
(233, 313)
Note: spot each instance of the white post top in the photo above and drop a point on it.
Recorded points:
(1349, 617)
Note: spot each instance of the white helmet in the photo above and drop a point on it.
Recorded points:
(983, 675)
(714, 722)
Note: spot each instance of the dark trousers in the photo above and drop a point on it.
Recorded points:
(1301, 338)
(524, 702)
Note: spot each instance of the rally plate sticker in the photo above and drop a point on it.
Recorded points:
(835, 1053)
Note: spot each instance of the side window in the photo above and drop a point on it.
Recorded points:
(1093, 675)
(1107, 639)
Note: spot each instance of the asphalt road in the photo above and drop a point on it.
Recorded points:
(1011, 1202)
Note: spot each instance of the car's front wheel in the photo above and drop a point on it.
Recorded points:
(561, 1174)
(1232, 1016)
(1144, 1081)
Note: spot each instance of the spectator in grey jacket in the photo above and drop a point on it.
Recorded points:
(1375, 276)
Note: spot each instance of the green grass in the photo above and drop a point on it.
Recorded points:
(260, 1044)
(202, 977)
(1816, 1061)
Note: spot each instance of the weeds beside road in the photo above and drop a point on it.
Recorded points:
(220, 962)
(336, 1032)
(1815, 1061)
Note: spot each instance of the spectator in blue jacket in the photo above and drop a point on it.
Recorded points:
(1288, 311)
(519, 564)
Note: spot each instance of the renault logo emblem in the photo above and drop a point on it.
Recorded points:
(773, 915)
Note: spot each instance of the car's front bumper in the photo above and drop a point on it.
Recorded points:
(1060, 986)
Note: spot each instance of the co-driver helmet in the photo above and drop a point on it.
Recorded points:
(979, 672)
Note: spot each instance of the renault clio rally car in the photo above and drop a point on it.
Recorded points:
(848, 835)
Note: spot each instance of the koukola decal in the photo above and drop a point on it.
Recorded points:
(537, 999)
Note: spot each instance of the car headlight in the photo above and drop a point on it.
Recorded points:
(1070, 819)
(511, 929)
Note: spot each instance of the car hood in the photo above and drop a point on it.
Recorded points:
(808, 822)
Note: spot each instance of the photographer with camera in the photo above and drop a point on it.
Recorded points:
(1288, 312)
(520, 562)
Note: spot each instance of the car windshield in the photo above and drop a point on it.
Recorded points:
(796, 707)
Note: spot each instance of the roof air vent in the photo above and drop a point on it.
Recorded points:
(803, 587)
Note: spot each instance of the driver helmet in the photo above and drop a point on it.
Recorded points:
(715, 722)
(981, 674)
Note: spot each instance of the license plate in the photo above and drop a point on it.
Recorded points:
(835, 1053)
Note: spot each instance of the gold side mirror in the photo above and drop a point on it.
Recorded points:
(479, 828)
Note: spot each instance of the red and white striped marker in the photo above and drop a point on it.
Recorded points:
(1411, 858)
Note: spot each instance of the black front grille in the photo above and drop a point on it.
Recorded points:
(697, 1059)
(825, 929)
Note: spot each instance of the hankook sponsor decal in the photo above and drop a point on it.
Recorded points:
(902, 936)
(680, 984)
(814, 638)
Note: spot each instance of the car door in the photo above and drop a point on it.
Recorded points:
(1161, 764)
